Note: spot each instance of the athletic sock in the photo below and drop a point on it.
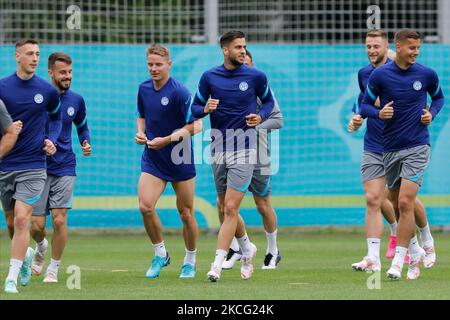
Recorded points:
(190, 257)
(54, 264)
(160, 249)
(272, 243)
(234, 245)
(427, 238)
(220, 258)
(14, 269)
(244, 243)
(373, 246)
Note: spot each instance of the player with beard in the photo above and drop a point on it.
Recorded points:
(57, 196)
(229, 94)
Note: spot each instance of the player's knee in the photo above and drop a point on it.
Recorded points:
(186, 215)
(59, 222)
(373, 200)
(230, 209)
(146, 208)
(37, 228)
(21, 222)
(405, 204)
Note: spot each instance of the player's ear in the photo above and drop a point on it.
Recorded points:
(16, 56)
(50, 72)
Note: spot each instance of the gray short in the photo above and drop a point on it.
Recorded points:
(23, 185)
(233, 169)
(408, 164)
(57, 194)
(372, 166)
(261, 183)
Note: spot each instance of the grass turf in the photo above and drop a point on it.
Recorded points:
(314, 265)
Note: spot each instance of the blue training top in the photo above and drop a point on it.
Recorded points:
(408, 89)
(237, 91)
(166, 110)
(30, 101)
(73, 110)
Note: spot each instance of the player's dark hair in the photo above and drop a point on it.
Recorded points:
(23, 42)
(228, 37)
(58, 56)
(377, 33)
(404, 34)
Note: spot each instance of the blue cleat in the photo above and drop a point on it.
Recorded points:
(157, 264)
(187, 271)
(10, 286)
(25, 270)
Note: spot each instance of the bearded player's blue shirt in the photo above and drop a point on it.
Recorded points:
(372, 139)
(237, 91)
(73, 110)
(32, 101)
(166, 110)
(408, 90)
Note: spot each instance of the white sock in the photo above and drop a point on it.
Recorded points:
(399, 258)
(234, 245)
(393, 228)
(220, 258)
(272, 243)
(42, 246)
(414, 248)
(244, 243)
(14, 269)
(54, 265)
(373, 246)
(427, 238)
(190, 257)
(160, 250)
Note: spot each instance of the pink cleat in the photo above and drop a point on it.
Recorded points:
(390, 253)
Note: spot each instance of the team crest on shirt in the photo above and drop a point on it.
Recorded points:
(164, 101)
(417, 85)
(243, 86)
(38, 98)
(70, 111)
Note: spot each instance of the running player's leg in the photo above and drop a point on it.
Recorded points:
(374, 193)
(234, 253)
(387, 209)
(9, 218)
(6, 194)
(425, 234)
(38, 232)
(184, 191)
(150, 189)
(269, 217)
(373, 177)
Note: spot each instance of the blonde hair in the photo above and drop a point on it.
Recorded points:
(158, 50)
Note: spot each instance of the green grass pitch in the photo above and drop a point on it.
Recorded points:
(314, 265)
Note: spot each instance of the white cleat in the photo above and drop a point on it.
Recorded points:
(213, 274)
(247, 263)
(232, 258)
(394, 273)
(38, 263)
(414, 265)
(51, 276)
(367, 265)
(430, 257)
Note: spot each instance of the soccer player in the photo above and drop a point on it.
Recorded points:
(57, 195)
(372, 168)
(229, 94)
(164, 108)
(32, 100)
(10, 131)
(402, 87)
(260, 188)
